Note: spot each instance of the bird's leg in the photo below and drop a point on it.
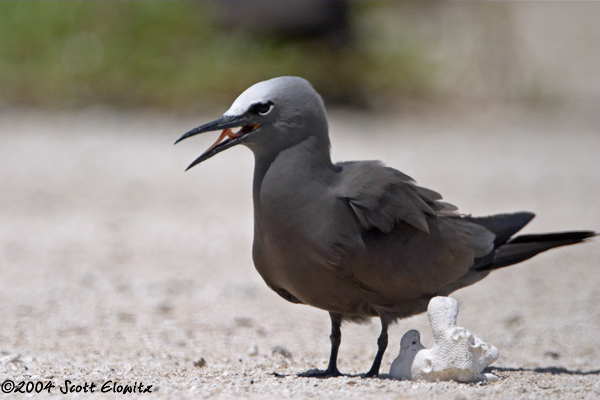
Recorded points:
(382, 343)
(336, 339)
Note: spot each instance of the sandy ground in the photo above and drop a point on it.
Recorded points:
(118, 266)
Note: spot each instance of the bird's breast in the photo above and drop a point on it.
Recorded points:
(296, 246)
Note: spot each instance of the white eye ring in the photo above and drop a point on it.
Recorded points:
(263, 108)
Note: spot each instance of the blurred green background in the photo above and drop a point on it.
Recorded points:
(185, 56)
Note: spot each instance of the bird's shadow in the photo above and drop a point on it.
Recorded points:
(547, 370)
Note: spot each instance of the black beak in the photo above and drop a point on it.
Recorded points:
(226, 122)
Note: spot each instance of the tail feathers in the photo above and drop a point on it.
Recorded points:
(565, 238)
(503, 225)
(523, 247)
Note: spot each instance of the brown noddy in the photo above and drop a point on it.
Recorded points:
(357, 239)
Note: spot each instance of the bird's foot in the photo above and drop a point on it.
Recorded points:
(370, 374)
(319, 373)
(373, 372)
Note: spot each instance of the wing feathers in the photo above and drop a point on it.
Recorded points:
(381, 196)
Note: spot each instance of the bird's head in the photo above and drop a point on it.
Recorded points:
(268, 117)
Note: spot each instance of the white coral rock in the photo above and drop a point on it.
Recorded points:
(456, 355)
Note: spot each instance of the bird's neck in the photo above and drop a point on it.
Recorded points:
(294, 169)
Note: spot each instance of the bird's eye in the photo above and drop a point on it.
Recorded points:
(262, 108)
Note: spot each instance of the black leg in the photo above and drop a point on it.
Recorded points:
(382, 343)
(336, 339)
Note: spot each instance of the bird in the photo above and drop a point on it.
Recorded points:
(357, 239)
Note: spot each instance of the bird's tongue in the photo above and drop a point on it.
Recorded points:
(226, 133)
(233, 135)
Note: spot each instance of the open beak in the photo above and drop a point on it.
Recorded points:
(227, 139)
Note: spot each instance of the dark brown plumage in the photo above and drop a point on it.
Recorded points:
(357, 239)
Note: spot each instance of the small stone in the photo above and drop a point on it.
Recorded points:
(552, 354)
(572, 385)
(254, 351)
(10, 358)
(200, 363)
(243, 321)
(261, 330)
(126, 317)
(281, 351)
